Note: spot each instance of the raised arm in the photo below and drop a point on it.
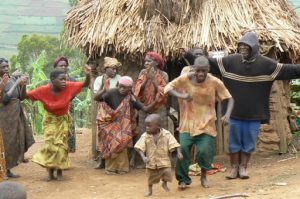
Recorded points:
(87, 71)
(23, 92)
(13, 88)
(3, 82)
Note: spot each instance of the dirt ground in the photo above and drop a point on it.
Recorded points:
(271, 177)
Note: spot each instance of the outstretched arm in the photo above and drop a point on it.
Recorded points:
(289, 71)
(99, 95)
(139, 106)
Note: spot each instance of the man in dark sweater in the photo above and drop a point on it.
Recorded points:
(249, 76)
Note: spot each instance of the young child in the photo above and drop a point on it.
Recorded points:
(157, 143)
(56, 98)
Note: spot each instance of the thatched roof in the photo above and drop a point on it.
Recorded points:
(135, 26)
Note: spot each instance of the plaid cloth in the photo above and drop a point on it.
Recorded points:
(115, 128)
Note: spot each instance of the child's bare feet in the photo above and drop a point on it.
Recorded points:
(59, 175)
(149, 192)
(165, 186)
(51, 175)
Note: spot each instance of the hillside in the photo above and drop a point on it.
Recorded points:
(19, 17)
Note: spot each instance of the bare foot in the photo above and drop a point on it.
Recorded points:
(100, 164)
(51, 175)
(165, 186)
(110, 172)
(148, 193)
(59, 175)
(182, 186)
(122, 172)
(50, 178)
(204, 182)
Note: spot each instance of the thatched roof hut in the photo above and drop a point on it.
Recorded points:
(132, 27)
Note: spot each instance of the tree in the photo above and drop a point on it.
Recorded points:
(31, 46)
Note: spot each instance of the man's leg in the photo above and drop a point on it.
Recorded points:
(182, 166)
(235, 146)
(206, 147)
(249, 138)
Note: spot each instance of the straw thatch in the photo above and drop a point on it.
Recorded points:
(135, 26)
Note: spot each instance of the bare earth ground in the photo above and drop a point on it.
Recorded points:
(84, 182)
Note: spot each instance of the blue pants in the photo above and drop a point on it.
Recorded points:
(243, 135)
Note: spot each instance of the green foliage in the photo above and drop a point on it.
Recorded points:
(295, 88)
(82, 108)
(30, 48)
(36, 110)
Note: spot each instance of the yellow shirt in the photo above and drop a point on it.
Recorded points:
(158, 154)
(199, 115)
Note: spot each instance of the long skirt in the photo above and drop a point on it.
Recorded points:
(118, 162)
(54, 154)
(17, 134)
(2, 159)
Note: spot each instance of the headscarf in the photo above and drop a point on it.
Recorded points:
(156, 57)
(60, 58)
(110, 62)
(126, 81)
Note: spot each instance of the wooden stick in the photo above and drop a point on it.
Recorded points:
(283, 160)
(231, 196)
